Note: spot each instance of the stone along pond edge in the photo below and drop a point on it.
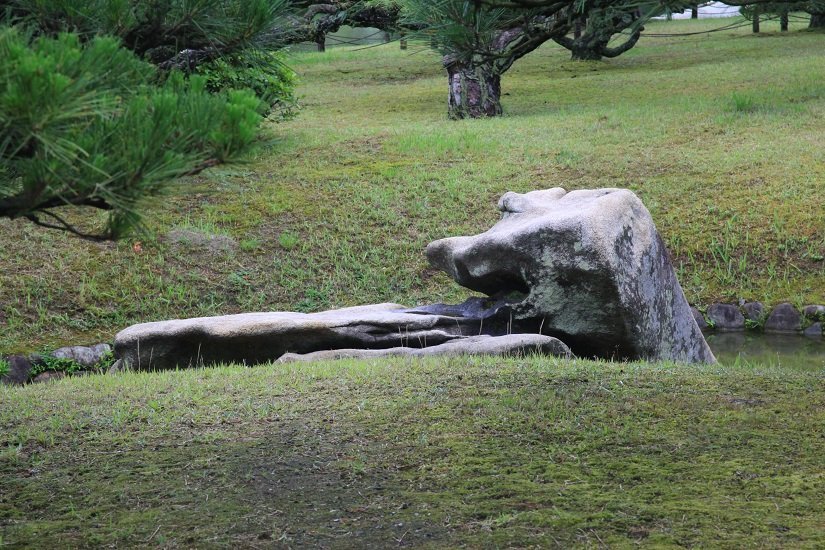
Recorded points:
(752, 317)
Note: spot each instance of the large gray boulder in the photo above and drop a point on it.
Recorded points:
(510, 344)
(587, 267)
(260, 337)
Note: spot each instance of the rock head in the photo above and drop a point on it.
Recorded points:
(587, 267)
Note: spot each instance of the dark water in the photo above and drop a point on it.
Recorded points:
(777, 350)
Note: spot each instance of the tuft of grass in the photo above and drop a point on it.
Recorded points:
(445, 452)
(288, 240)
(742, 103)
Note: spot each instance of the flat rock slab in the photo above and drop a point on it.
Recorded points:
(508, 345)
(590, 268)
(253, 338)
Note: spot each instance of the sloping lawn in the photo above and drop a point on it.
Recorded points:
(720, 134)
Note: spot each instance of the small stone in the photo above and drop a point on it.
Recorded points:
(700, 319)
(817, 313)
(814, 331)
(784, 318)
(116, 367)
(49, 376)
(37, 360)
(754, 311)
(85, 356)
(19, 371)
(726, 317)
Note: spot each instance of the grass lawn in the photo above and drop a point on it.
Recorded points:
(439, 453)
(720, 134)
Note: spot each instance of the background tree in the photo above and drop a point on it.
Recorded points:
(86, 122)
(479, 44)
(817, 11)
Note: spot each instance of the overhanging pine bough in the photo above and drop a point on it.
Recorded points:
(83, 124)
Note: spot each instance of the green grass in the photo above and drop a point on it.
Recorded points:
(720, 135)
(476, 452)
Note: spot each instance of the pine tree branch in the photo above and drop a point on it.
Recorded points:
(66, 226)
(619, 50)
(564, 41)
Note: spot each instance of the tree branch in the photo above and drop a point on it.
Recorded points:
(619, 50)
(66, 226)
(564, 41)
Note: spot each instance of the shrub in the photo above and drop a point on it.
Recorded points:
(266, 74)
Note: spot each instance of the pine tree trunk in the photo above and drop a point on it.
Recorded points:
(585, 52)
(475, 91)
(817, 21)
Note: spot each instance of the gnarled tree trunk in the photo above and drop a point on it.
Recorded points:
(587, 47)
(475, 80)
(475, 90)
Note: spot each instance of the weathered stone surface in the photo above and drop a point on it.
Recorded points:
(260, 337)
(814, 331)
(19, 370)
(512, 344)
(48, 376)
(588, 267)
(699, 318)
(784, 318)
(83, 355)
(726, 317)
(815, 312)
(754, 311)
